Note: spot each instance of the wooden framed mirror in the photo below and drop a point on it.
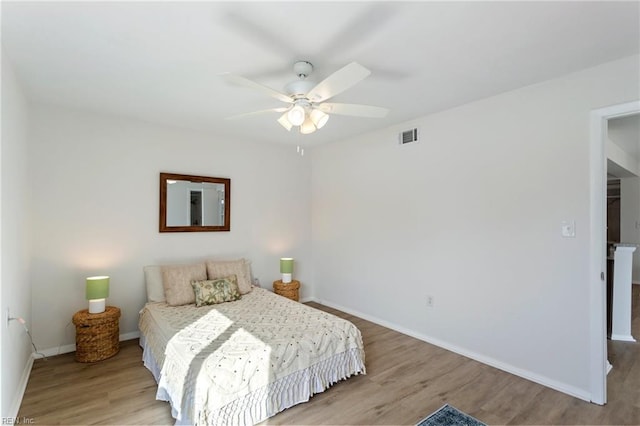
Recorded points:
(194, 203)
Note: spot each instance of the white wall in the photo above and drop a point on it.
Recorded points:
(95, 197)
(630, 218)
(624, 164)
(15, 292)
(471, 215)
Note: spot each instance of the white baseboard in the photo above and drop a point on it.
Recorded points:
(59, 350)
(64, 349)
(623, 337)
(129, 336)
(22, 386)
(534, 377)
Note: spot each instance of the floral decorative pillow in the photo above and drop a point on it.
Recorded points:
(219, 290)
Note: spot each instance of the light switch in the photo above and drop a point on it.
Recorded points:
(568, 228)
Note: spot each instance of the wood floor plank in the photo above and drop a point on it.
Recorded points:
(406, 380)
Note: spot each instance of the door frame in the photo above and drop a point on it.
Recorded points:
(597, 246)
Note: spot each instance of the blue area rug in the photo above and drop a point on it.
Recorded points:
(448, 415)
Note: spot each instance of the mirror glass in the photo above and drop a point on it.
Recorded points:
(194, 203)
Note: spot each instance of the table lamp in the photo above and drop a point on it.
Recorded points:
(97, 292)
(286, 268)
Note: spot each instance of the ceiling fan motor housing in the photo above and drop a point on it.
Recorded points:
(302, 69)
(299, 88)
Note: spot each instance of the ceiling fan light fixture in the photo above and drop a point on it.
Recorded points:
(307, 127)
(319, 118)
(306, 107)
(284, 122)
(296, 115)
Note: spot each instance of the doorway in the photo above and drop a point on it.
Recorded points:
(598, 248)
(613, 237)
(196, 208)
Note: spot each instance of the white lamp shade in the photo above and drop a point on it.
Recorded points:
(296, 115)
(307, 127)
(284, 122)
(319, 118)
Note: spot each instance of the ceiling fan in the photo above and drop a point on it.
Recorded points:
(307, 107)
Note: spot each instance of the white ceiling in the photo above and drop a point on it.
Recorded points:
(159, 61)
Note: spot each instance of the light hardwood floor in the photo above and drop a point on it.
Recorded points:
(406, 380)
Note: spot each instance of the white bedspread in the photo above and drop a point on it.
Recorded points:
(241, 362)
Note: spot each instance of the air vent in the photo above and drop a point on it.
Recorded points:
(409, 136)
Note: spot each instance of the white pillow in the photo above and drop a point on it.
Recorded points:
(176, 281)
(241, 268)
(153, 281)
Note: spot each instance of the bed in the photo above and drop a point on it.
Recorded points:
(242, 361)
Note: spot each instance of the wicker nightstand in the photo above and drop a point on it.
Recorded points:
(97, 335)
(288, 290)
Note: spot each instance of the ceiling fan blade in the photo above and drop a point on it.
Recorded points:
(338, 82)
(252, 84)
(370, 20)
(354, 110)
(255, 29)
(262, 111)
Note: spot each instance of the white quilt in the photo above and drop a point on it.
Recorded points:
(241, 362)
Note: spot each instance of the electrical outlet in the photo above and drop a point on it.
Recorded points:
(429, 301)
